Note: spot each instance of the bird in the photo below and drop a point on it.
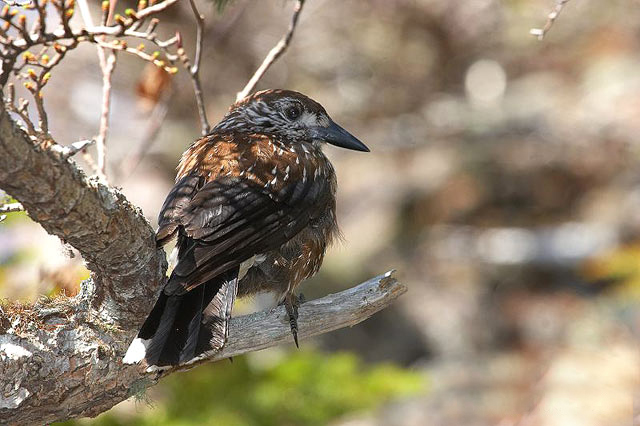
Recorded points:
(253, 210)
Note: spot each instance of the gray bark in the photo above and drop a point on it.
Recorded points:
(113, 236)
(61, 358)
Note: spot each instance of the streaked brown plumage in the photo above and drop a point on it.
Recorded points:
(253, 209)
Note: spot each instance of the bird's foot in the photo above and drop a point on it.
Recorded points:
(291, 302)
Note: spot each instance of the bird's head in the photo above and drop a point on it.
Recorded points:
(288, 114)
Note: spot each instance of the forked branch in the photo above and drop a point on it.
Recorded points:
(48, 389)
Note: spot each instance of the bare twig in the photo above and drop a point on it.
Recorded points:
(195, 68)
(150, 35)
(107, 65)
(551, 18)
(152, 10)
(153, 58)
(274, 53)
(41, 24)
(66, 12)
(43, 121)
(20, 110)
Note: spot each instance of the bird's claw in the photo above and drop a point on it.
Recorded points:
(291, 303)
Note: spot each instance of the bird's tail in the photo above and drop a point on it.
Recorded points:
(182, 327)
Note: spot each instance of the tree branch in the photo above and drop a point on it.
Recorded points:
(107, 62)
(112, 235)
(273, 54)
(65, 363)
(108, 65)
(265, 329)
(194, 70)
(551, 19)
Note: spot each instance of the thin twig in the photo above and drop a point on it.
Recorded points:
(115, 30)
(43, 121)
(195, 68)
(107, 65)
(274, 53)
(107, 72)
(61, 7)
(551, 18)
(20, 110)
(152, 10)
(41, 25)
(86, 13)
(117, 45)
(9, 20)
(23, 113)
(153, 37)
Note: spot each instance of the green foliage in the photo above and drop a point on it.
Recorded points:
(304, 388)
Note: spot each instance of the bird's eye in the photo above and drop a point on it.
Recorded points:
(292, 112)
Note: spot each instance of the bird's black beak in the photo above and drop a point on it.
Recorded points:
(336, 135)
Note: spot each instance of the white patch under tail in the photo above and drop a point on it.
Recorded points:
(136, 352)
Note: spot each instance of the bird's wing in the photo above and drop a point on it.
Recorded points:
(174, 205)
(230, 219)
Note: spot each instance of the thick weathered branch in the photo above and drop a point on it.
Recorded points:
(64, 363)
(261, 330)
(113, 236)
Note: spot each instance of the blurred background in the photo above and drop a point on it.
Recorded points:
(503, 186)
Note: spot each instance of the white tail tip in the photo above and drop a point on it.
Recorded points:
(136, 352)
